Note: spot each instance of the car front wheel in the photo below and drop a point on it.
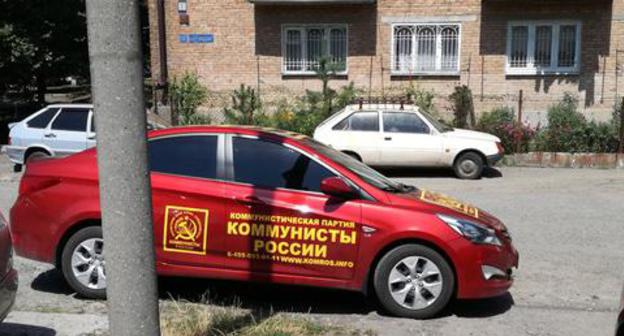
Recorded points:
(414, 281)
(83, 264)
(469, 166)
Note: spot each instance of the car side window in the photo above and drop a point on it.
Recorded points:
(402, 122)
(194, 156)
(367, 121)
(272, 165)
(43, 119)
(92, 123)
(73, 119)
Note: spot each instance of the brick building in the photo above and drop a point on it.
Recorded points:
(496, 47)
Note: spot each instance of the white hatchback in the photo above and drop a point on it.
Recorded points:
(403, 136)
(56, 130)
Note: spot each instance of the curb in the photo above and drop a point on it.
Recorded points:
(565, 160)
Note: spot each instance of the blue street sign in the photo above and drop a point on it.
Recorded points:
(196, 38)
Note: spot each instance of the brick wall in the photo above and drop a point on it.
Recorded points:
(247, 49)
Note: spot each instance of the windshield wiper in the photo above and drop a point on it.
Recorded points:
(391, 189)
(407, 187)
(402, 188)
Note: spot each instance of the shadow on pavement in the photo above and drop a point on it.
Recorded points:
(51, 281)
(283, 298)
(265, 297)
(16, 329)
(482, 307)
(488, 172)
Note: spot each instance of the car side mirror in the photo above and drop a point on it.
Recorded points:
(337, 187)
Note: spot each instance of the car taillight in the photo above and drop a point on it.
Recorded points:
(30, 184)
(500, 147)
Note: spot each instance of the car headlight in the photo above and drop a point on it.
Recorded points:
(474, 232)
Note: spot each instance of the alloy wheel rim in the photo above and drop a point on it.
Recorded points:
(415, 282)
(88, 264)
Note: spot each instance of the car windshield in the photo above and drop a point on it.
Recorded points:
(440, 126)
(363, 171)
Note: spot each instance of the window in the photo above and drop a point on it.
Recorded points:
(74, 119)
(425, 49)
(194, 156)
(43, 119)
(401, 122)
(359, 121)
(280, 166)
(303, 46)
(543, 47)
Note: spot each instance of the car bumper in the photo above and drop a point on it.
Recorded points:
(485, 270)
(493, 159)
(8, 291)
(15, 153)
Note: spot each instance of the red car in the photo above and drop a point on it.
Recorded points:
(264, 205)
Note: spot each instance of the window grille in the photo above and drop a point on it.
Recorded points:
(425, 49)
(304, 46)
(543, 47)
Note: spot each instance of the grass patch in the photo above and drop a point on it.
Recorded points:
(190, 319)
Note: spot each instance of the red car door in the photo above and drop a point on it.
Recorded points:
(187, 200)
(278, 221)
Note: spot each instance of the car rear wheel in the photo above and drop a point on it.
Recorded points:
(414, 281)
(469, 166)
(83, 264)
(36, 155)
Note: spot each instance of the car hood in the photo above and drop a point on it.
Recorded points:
(438, 203)
(459, 133)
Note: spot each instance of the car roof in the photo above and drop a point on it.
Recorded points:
(232, 129)
(70, 105)
(382, 107)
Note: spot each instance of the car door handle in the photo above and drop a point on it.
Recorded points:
(388, 138)
(91, 137)
(50, 135)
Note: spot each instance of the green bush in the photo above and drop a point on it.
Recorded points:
(463, 107)
(246, 108)
(501, 122)
(421, 98)
(186, 95)
(569, 131)
(310, 110)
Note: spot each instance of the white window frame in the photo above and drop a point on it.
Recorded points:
(553, 69)
(440, 72)
(303, 28)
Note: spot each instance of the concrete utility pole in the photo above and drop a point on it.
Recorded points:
(125, 190)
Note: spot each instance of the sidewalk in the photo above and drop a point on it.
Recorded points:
(53, 324)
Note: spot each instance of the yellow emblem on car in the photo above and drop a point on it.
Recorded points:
(448, 202)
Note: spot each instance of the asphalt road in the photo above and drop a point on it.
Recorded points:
(567, 225)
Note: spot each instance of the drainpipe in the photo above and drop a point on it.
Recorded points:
(162, 53)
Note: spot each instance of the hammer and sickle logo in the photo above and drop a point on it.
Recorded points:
(186, 227)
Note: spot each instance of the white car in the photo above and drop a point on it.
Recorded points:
(403, 136)
(56, 130)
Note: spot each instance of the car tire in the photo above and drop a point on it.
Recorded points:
(82, 263)
(402, 287)
(36, 155)
(469, 166)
